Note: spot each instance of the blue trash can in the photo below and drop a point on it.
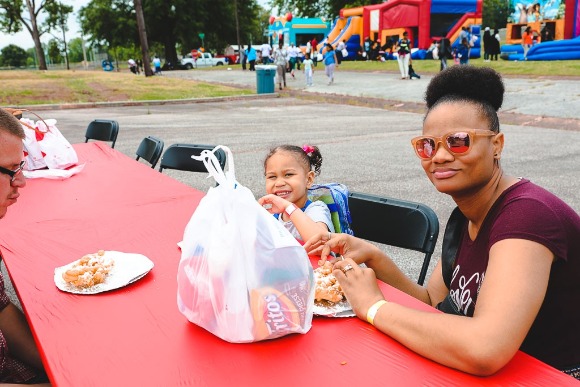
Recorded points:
(265, 75)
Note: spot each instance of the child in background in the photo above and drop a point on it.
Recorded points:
(289, 172)
(308, 69)
(463, 52)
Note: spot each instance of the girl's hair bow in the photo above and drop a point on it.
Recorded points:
(308, 149)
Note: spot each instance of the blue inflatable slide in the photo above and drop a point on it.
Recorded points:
(567, 49)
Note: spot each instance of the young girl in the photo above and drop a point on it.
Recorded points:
(308, 69)
(290, 171)
(330, 62)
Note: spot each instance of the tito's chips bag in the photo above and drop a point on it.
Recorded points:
(242, 276)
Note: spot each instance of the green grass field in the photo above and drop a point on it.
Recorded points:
(30, 87)
(61, 86)
(532, 68)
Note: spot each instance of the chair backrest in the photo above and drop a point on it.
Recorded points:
(103, 130)
(150, 149)
(178, 156)
(397, 223)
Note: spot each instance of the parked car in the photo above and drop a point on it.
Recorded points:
(204, 59)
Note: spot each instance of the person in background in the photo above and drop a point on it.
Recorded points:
(308, 70)
(404, 55)
(139, 66)
(339, 48)
(412, 73)
(281, 62)
(496, 47)
(367, 48)
(330, 62)
(509, 277)
(157, 65)
(444, 52)
(290, 170)
(243, 59)
(546, 35)
(19, 357)
(251, 55)
(486, 44)
(463, 52)
(527, 41)
(292, 58)
(133, 66)
(314, 57)
(266, 50)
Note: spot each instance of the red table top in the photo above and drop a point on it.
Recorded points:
(135, 336)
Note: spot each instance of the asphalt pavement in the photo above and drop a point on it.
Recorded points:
(366, 148)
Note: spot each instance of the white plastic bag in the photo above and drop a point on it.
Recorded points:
(45, 146)
(242, 276)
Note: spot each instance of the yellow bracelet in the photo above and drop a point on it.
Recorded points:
(373, 311)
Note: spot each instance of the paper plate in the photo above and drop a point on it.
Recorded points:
(329, 309)
(128, 268)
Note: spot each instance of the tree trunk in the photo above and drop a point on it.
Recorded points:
(143, 37)
(170, 51)
(33, 29)
(65, 47)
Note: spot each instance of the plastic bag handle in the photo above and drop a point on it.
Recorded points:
(213, 166)
(13, 111)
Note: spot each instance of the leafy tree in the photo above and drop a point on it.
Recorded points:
(57, 19)
(75, 50)
(54, 53)
(31, 60)
(19, 13)
(329, 9)
(14, 56)
(109, 23)
(172, 25)
(495, 13)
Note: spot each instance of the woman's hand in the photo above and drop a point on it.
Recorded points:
(274, 204)
(346, 245)
(359, 286)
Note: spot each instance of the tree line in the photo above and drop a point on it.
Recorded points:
(172, 27)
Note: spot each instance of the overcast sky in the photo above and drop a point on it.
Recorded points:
(24, 39)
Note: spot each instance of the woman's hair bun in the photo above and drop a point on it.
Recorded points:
(480, 84)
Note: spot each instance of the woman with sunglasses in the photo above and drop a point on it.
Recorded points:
(512, 280)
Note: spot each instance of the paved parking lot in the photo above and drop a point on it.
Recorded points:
(368, 149)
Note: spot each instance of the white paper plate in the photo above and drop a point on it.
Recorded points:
(340, 309)
(128, 268)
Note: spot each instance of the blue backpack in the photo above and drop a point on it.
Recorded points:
(335, 196)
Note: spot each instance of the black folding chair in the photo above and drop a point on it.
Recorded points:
(178, 156)
(395, 222)
(103, 130)
(150, 149)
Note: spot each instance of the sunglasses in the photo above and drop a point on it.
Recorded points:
(13, 173)
(458, 143)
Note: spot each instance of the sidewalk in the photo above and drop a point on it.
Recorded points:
(538, 97)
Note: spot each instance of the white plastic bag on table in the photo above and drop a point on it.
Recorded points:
(242, 276)
(45, 146)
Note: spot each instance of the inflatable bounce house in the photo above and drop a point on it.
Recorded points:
(555, 26)
(424, 21)
(296, 30)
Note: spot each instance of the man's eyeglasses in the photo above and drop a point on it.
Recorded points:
(458, 143)
(13, 173)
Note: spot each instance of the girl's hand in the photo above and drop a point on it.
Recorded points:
(359, 286)
(274, 204)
